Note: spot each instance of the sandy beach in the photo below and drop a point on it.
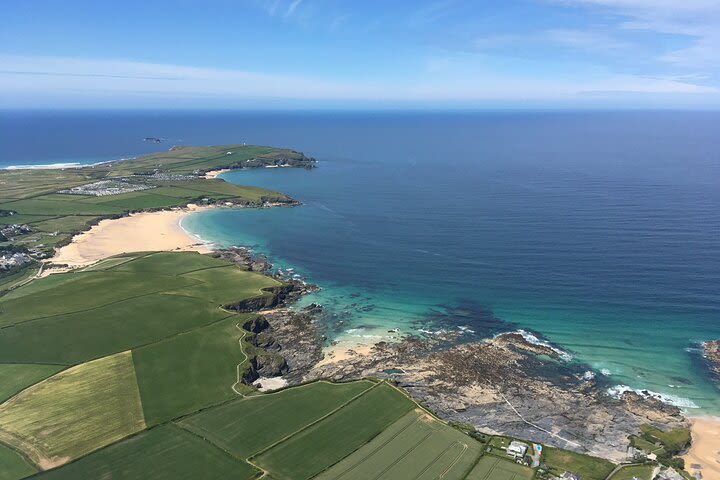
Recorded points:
(704, 455)
(343, 351)
(135, 233)
(215, 173)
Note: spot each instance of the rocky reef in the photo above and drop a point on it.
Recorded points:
(510, 386)
(711, 351)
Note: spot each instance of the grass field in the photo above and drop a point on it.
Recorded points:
(11, 281)
(589, 468)
(328, 441)
(642, 472)
(17, 376)
(78, 292)
(642, 444)
(162, 453)
(189, 371)
(673, 440)
(417, 446)
(12, 465)
(33, 194)
(249, 425)
(87, 315)
(493, 468)
(75, 338)
(74, 412)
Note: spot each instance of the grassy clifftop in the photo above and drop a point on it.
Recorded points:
(42, 209)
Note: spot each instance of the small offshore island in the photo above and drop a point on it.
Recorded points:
(130, 349)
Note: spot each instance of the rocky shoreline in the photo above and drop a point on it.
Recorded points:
(711, 352)
(504, 385)
(507, 385)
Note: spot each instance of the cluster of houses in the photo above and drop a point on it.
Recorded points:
(9, 261)
(9, 231)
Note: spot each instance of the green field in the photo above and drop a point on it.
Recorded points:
(646, 446)
(15, 377)
(74, 412)
(642, 472)
(87, 315)
(673, 440)
(12, 465)
(415, 446)
(162, 453)
(11, 281)
(249, 425)
(190, 371)
(493, 468)
(328, 441)
(56, 217)
(589, 468)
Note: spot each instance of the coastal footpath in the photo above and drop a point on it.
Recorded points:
(496, 390)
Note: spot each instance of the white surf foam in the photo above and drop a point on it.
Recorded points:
(530, 338)
(674, 400)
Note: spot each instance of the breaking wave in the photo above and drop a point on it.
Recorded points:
(674, 400)
(531, 338)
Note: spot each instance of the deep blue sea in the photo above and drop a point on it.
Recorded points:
(596, 231)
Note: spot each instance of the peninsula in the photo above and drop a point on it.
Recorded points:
(145, 353)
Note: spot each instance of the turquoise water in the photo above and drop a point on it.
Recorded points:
(597, 231)
(616, 266)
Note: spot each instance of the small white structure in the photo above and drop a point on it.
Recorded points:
(570, 476)
(517, 449)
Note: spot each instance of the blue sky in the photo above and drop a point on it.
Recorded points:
(360, 54)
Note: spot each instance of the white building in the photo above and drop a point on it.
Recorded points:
(517, 449)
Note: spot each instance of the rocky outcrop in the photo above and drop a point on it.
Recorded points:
(245, 258)
(517, 341)
(296, 336)
(711, 351)
(506, 385)
(286, 343)
(272, 297)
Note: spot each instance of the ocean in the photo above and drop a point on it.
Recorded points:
(598, 232)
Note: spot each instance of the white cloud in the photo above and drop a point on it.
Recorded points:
(698, 20)
(453, 80)
(586, 40)
(291, 8)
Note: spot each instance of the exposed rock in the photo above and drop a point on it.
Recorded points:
(516, 340)
(271, 365)
(256, 325)
(711, 351)
(489, 384)
(246, 259)
(299, 341)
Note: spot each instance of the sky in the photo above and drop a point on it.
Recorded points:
(425, 54)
